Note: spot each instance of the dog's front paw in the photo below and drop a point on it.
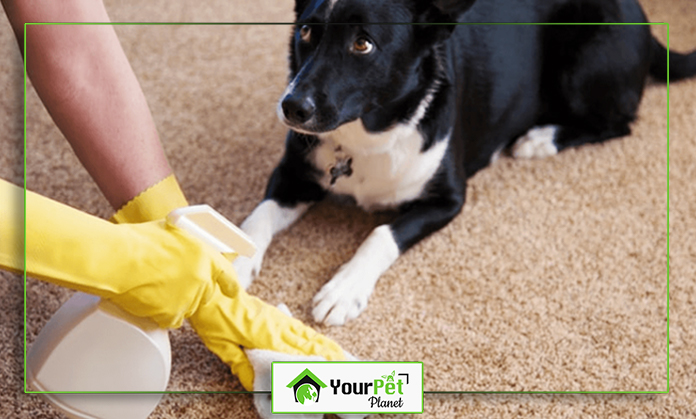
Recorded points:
(247, 269)
(343, 298)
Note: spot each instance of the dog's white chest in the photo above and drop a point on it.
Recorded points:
(386, 169)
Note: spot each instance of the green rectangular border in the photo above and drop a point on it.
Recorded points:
(351, 362)
(24, 48)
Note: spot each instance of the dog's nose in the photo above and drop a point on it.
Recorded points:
(298, 109)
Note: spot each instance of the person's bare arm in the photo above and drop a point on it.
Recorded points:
(85, 81)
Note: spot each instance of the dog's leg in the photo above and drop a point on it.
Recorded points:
(574, 136)
(593, 93)
(291, 190)
(267, 219)
(548, 140)
(345, 296)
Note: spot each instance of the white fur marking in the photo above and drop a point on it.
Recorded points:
(388, 168)
(345, 296)
(267, 219)
(537, 143)
(424, 104)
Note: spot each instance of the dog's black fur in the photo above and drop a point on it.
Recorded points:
(497, 82)
(488, 86)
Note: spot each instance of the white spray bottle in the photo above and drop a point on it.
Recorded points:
(90, 345)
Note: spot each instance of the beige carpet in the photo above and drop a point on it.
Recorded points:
(554, 278)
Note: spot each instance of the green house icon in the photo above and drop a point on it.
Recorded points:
(306, 387)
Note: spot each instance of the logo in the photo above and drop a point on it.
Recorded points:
(384, 393)
(347, 387)
(306, 387)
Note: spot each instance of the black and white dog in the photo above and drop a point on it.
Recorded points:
(396, 112)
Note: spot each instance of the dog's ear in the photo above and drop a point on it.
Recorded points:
(442, 14)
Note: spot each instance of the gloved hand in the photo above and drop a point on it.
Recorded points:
(224, 324)
(228, 323)
(261, 360)
(149, 269)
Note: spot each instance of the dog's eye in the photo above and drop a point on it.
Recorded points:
(362, 46)
(305, 33)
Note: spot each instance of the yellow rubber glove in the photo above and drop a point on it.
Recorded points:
(224, 324)
(152, 204)
(149, 269)
(131, 264)
(227, 325)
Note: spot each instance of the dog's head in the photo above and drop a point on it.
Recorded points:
(358, 59)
